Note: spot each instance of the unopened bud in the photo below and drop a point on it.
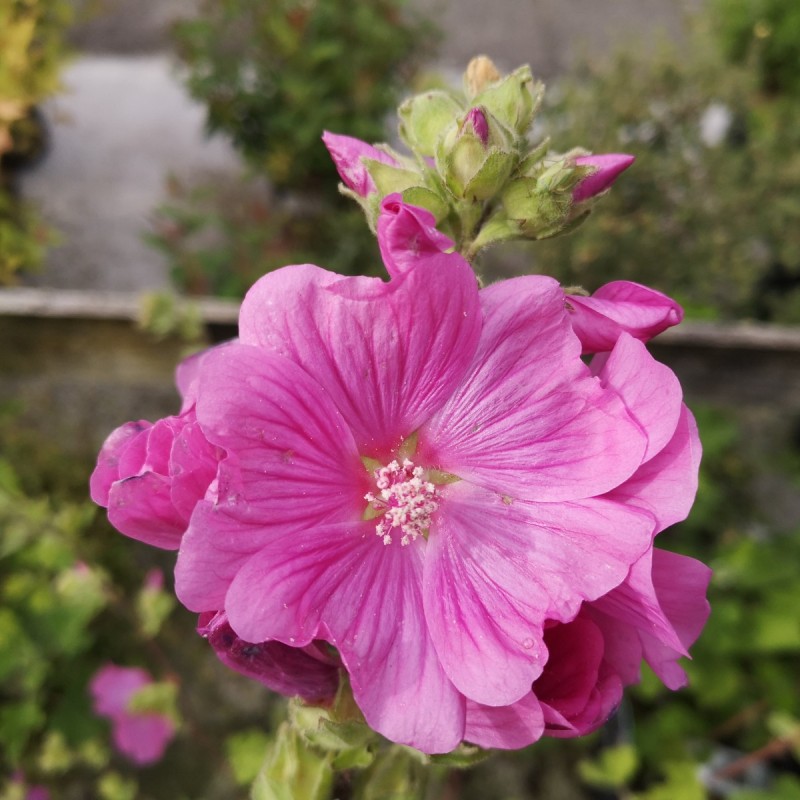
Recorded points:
(424, 118)
(605, 170)
(477, 119)
(481, 72)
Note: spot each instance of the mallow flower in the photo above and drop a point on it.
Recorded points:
(140, 736)
(426, 476)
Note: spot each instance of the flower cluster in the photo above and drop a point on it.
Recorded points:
(448, 493)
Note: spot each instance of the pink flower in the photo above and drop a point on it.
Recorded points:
(617, 307)
(607, 168)
(308, 672)
(347, 154)
(150, 476)
(141, 736)
(427, 477)
(656, 613)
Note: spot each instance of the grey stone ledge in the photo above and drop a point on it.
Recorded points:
(72, 304)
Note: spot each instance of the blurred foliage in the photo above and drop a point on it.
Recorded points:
(219, 239)
(74, 595)
(32, 53)
(274, 74)
(765, 33)
(709, 211)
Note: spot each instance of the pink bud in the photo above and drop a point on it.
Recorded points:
(347, 153)
(477, 119)
(606, 169)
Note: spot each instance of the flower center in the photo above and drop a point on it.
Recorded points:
(405, 501)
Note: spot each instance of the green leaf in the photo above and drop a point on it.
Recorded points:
(613, 768)
(245, 752)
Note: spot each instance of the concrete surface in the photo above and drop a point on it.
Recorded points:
(123, 124)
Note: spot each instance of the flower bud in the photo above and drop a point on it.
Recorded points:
(424, 118)
(480, 72)
(605, 170)
(476, 156)
(514, 100)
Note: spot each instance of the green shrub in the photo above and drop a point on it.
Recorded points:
(709, 211)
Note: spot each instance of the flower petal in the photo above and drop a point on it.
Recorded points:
(407, 235)
(295, 465)
(666, 485)
(107, 469)
(621, 306)
(505, 727)
(141, 507)
(287, 670)
(529, 420)
(347, 152)
(495, 572)
(389, 354)
(650, 390)
(343, 584)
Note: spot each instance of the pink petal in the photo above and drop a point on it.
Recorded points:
(504, 727)
(192, 466)
(111, 688)
(107, 469)
(295, 466)
(608, 168)
(141, 508)
(389, 354)
(620, 306)
(635, 603)
(650, 390)
(143, 738)
(495, 572)
(680, 584)
(666, 485)
(407, 235)
(343, 584)
(347, 154)
(529, 420)
(288, 670)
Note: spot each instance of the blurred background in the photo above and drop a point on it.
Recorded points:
(155, 152)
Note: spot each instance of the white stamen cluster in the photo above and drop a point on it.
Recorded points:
(407, 501)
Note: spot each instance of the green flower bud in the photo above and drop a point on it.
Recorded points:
(513, 100)
(424, 118)
(476, 156)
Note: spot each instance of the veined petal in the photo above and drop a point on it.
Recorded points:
(495, 572)
(666, 484)
(407, 235)
(505, 727)
(650, 390)
(389, 354)
(342, 584)
(347, 152)
(295, 465)
(621, 306)
(141, 507)
(680, 584)
(529, 420)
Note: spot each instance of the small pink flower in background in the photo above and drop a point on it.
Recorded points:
(141, 736)
(308, 672)
(607, 168)
(347, 153)
(37, 793)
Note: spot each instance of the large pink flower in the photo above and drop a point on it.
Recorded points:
(425, 476)
(141, 736)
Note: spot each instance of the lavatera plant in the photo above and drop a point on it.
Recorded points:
(424, 508)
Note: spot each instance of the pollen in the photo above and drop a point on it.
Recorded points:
(405, 501)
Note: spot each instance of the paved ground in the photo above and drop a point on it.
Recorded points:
(125, 122)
